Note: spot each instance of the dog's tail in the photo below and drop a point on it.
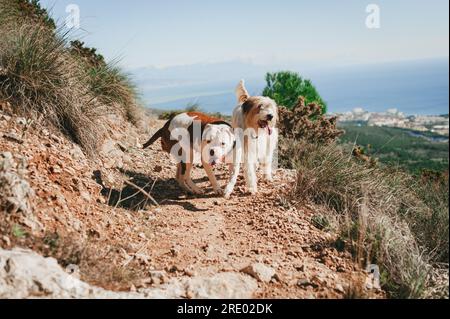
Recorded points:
(154, 138)
(241, 92)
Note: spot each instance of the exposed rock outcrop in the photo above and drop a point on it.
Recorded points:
(25, 274)
(15, 191)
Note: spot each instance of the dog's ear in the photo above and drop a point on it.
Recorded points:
(241, 92)
(205, 130)
(248, 105)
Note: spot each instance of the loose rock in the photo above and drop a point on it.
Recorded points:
(260, 272)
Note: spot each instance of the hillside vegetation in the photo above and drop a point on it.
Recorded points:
(399, 147)
(65, 84)
(382, 214)
(120, 217)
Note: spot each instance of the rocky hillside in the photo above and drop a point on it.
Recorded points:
(119, 222)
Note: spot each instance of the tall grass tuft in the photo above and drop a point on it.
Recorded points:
(108, 82)
(384, 216)
(40, 78)
(41, 75)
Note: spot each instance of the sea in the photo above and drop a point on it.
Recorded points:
(412, 87)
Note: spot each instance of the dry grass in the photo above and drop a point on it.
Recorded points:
(42, 77)
(303, 123)
(99, 262)
(108, 82)
(306, 122)
(381, 213)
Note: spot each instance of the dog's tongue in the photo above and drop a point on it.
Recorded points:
(269, 129)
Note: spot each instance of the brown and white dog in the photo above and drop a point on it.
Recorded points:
(194, 137)
(256, 117)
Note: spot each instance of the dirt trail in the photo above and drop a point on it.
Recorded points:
(199, 235)
(185, 235)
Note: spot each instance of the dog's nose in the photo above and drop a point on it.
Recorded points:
(211, 152)
(270, 117)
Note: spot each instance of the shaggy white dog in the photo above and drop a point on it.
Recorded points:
(254, 121)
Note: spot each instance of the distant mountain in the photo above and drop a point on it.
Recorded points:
(413, 87)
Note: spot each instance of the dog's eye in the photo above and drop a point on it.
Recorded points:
(209, 142)
(223, 144)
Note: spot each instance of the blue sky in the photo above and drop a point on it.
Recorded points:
(327, 32)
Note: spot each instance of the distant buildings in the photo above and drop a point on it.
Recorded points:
(394, 118)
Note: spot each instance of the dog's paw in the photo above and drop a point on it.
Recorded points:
(196, 191)
(227, 193)
(219, 191)
(253, 190)
(268, 177)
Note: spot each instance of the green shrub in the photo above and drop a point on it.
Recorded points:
(306, 122)
(303, 123)
(285, 88)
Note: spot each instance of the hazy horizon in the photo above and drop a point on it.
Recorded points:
(182, 52)
(416, 87)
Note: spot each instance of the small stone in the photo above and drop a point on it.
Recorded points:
(142, 258)
(303, 282)
(260, 272)
(121, 147)
(21, 121)
(339, 288)
(56, 169)
(6, 240)
(157, 169)
(144, 282)
(277, 278)
(340, 269)
(174, 251)
(5, 117)
(142, 235)
(127, 159)
(300, 267)
(172, 269)
(158, 277)
(13, 137)
(189, 272)
(108, 163)
(73, 270)
(76, 224)
(318, 280)
(55, 138)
